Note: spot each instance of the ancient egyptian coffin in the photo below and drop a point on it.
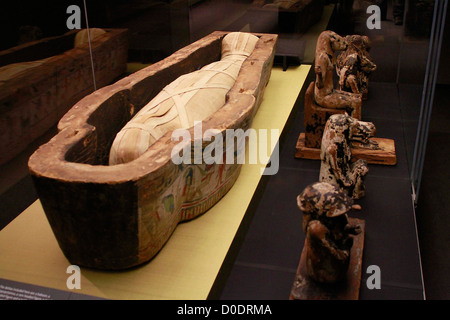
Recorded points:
(119, 216)
(293, 15)
(41, 80)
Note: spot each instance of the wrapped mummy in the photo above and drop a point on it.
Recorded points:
(191, 97)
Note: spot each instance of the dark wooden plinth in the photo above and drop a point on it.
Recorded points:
(304, 288)
(385, 155)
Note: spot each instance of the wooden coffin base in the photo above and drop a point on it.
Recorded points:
(385, 155)
(304, 288)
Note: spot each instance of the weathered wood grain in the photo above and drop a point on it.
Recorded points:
(315, 118)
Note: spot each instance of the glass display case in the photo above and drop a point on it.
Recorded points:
(55, 54)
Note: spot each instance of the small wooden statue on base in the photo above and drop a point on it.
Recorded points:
(328, 232)
(325, 94)
(354, 65)
(330, 264)
(321, 97)
(337, 166)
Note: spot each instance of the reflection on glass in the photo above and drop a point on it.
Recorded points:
(42, 74)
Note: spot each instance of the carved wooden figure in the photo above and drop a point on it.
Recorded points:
(336, 156)
(329, 235)
(354, 66)
(321, 99)
(325, 94)
(191, 97)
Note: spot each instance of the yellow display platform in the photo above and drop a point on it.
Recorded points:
(188, 264)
